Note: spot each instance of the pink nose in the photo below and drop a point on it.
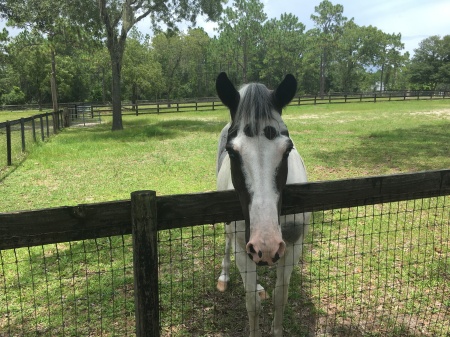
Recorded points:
(263, 254)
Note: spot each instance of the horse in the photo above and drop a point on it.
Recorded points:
(257, 158)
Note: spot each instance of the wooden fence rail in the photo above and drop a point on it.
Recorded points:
(145, 214)
(88, 221)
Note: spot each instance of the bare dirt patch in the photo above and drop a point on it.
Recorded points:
(441, 113)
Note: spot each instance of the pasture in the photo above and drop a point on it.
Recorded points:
(175, 153)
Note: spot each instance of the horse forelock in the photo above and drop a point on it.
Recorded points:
(255, 109)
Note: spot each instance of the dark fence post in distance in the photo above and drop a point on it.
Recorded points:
(33, 125)
(375, 98)
(22, 133)
(315, 99)
(145, 263)
(213, 105)
(42, 127)
(8, 143)
(48, 127)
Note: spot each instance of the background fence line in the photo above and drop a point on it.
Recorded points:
(195, 104)
(94, 221)
(48, 123)
(82, 113)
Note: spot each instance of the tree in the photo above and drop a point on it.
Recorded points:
(240, 29)
(142, 74)
(284, 45)
(56, 20)
(329, 22)
(30, 62)
(430, 66)
(388, 57)
(119, 16)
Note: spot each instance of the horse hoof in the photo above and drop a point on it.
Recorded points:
(221, 286)
(263, 295)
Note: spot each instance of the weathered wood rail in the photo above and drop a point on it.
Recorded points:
(87, 221)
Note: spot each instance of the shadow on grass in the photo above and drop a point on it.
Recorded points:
(136, 131)
(407, 149)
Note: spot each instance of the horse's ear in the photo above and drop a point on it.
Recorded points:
(227, 93)
(285, 92)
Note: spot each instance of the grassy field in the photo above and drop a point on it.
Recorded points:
(353, 258)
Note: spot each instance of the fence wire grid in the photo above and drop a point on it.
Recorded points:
(376, 270)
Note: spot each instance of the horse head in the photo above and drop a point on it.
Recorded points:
(258, 147)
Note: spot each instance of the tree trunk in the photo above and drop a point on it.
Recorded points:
(53, 86)
(322, 75)
(134, 96)
(116, 92)
(381, 78)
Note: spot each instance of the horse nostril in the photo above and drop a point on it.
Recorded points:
(250, 256)
(251, 249)
(260, 254)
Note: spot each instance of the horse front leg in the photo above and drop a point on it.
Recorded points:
(280, 297)
(224, 277)
(247, 269)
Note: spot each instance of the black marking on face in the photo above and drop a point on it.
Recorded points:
(289, 148)
(270, 132)
(248, 131)
(276, 258)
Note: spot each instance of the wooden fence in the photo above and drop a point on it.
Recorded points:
(45, 124)
(146, 214)
(212, 103)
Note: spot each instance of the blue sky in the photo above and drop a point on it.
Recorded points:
(414, 19)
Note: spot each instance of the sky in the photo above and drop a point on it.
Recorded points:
(414, 19)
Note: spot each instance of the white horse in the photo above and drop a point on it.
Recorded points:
(257, 158)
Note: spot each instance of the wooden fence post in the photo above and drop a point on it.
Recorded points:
(48, 127)
(33, 125)
(145, 263)
(8, 144)
(41, 120)
(22, 133)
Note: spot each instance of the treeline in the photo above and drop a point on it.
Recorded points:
(337, 55)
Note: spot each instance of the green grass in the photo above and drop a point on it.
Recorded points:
(389, 260)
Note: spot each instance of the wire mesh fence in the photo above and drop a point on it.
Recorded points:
(80, 288)
(376, 270)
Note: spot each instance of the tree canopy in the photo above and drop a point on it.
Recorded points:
(92, 51)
